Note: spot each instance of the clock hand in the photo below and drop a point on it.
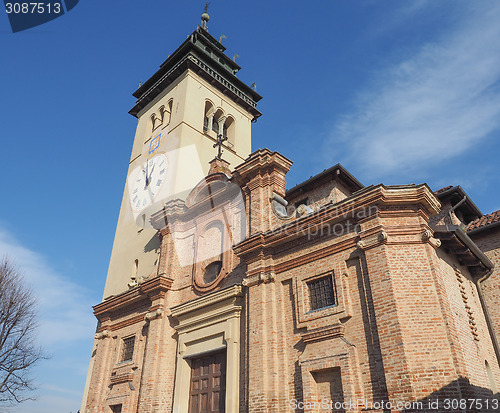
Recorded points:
(151, 173)
(146, 177)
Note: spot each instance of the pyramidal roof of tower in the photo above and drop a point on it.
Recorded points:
(204, 55)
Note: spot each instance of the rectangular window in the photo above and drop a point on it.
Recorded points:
(321, 292)
(128, 349)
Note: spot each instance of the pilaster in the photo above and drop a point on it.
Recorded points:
(261, 175)
(396, 241)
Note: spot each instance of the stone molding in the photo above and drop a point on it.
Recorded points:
(121, 378)
(207, 300)
(332, 314)
(125, 323)
(153, 315)
(261, 277)
(324, 333)
(317, 254)
(151, 289)
(207, 324)
(427, 236)
(346, 360)
(343, 211)
(373, 241)
(102, 334)
(251, 281)
(262, 157)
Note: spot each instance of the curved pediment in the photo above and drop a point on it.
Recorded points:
(207, 189)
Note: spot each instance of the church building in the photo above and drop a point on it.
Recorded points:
(227, 291)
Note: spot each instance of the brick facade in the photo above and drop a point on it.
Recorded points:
(487, 239)
(328, 296)
(407, 324)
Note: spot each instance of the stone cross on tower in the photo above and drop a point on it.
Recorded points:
(220, 141)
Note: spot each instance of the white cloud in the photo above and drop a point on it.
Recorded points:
(64, 306)
(46, 404)
(431, 106)
(66, 327)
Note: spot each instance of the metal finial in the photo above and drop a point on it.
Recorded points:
(206, 7)
(235, 56)
(223, 36)
(205, 17)
(220, 141)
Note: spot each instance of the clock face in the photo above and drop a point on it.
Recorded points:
(148, 181)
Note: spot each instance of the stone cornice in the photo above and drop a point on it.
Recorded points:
(317, 254)
(150, 289)
(207, 300)
(350, 208)
(261, 159)
(125, 323)
(205, 318)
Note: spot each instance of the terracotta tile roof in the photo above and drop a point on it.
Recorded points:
(443, 189)
(484, 221)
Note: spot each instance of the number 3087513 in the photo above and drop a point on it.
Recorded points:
(33, 8)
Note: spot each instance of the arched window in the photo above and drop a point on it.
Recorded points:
(228, 131)
(208, 116)
(168, 112)
(155, 122)
(215, 124)
(210, 254)
(161, 113)
(162, 116)
(211, 242)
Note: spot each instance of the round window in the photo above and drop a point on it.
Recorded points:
(212, 270)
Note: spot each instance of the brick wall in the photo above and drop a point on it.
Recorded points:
(489, 242)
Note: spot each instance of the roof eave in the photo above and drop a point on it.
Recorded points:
(344, 175)
(460, 191)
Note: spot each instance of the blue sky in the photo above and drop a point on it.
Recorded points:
(398, 92)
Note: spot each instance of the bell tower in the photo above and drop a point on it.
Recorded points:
(192, 102)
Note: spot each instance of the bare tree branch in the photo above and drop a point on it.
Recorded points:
(18, 349)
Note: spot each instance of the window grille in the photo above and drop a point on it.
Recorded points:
(321, 292)
(128, 348)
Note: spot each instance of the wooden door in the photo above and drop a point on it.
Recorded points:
(207, 391)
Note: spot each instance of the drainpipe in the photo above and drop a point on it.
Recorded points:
(486, 312)
(462, 235)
